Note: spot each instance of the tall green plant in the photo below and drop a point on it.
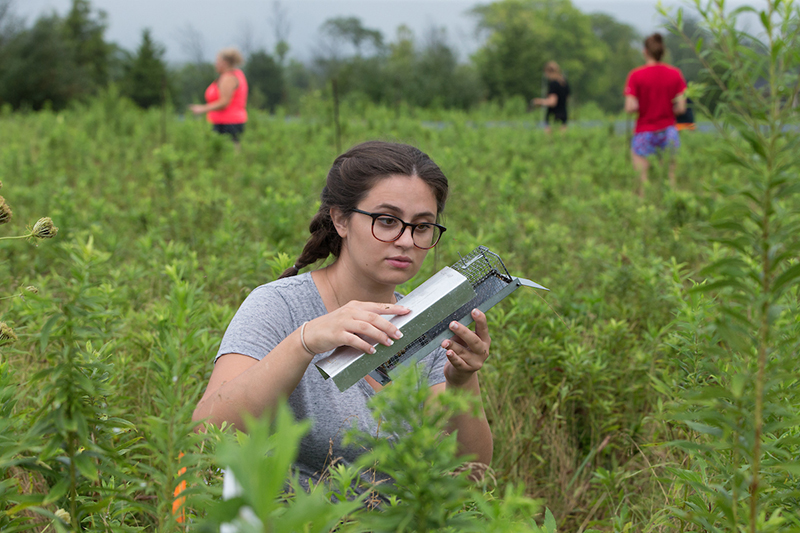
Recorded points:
(172, 455)
(431, 488)
(9, 429)
(428, 493)
(261, 462)
(744, 418)
(76, 440)
(42, 229)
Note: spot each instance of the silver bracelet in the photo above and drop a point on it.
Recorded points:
(303, 338)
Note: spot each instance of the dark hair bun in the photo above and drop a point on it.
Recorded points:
(654, 45)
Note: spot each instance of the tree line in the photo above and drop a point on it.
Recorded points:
(57, 60)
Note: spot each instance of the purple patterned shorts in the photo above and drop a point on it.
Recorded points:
(648, 142)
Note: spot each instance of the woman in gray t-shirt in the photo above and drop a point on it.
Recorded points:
(374, 193)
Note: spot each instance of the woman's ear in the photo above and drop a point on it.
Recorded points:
(339, 221)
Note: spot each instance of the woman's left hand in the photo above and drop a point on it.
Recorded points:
(467, 350)
(197, 109)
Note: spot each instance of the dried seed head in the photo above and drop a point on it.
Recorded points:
(5, 211)
(63, 515)
(7, 335)
(31, 288)
(44, 229)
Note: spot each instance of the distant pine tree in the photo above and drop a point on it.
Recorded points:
(89, 49)
(145, 79)
(37, 68)
(54, 61)
(265, 75)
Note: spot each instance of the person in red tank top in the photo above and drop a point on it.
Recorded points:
(656, 92)
(226, 97)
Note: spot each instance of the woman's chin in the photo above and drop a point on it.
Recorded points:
(399, 276)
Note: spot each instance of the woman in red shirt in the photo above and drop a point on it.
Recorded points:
(226, 97)
(656, 92)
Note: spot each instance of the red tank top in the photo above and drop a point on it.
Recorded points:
(234, 112)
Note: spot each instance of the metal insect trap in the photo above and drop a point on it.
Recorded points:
(478, 280)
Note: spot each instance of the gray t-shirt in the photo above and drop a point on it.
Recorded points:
(267, 316)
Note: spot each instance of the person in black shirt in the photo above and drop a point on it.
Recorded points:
(557, 93)
(686, 120)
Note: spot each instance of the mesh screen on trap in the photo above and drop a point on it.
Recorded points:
(480, 264)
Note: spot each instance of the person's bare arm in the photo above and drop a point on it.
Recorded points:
(466, 353)
(550, 101)
(679, 104)
(240, 383)
(631, 104)
(474, 435)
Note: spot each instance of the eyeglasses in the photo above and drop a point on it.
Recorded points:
(389, 228)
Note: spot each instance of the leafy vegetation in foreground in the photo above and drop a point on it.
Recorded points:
(627, 399)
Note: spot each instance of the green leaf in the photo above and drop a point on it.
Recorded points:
(44, 334)
(784, 281)
(85, 465)
(726, 264)
(549, 522)
(57, 492)
(704, 428)
(721, 284)
(226, 510)
(753, 140)
(792, 468)
(765, 21)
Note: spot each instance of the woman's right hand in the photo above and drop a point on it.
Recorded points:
(351, 323)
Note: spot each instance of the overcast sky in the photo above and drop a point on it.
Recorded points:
(230, 22)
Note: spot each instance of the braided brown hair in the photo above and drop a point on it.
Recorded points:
(350, 179)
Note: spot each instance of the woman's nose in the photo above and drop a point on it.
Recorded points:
(406, 238)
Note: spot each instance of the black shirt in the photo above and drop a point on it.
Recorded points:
(688, 115)
(560, 109)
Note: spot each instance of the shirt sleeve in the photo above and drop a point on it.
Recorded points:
(259, 325)
(630, 86)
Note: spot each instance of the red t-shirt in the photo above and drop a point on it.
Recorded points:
(655, 86)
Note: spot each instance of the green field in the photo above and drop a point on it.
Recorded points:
(164, 229)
